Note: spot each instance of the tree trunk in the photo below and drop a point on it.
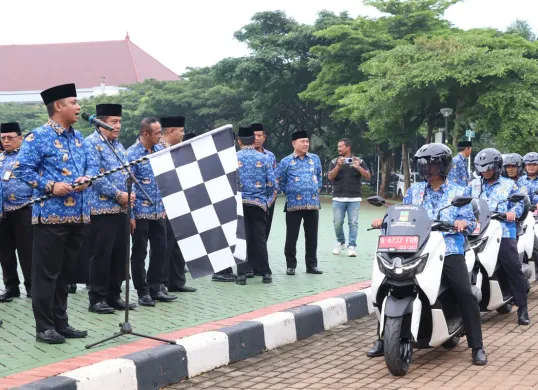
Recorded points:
(385, 159)
(430, 124)
(406, 172)
(392, 166)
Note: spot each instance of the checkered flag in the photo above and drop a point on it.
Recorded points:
(198, 181)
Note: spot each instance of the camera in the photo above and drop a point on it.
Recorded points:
(348, 160)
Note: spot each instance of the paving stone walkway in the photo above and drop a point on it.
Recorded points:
(337, 360)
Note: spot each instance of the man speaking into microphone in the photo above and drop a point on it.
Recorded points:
(51, 160)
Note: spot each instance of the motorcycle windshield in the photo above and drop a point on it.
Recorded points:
(483, 216)
(407, 220)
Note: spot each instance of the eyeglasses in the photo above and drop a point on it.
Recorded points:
(8, 137)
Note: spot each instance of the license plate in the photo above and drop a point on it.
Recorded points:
(476, 230)
(397, 244)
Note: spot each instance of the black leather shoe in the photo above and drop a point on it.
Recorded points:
(290, 271)
(314, 270)
(1, 322)
(100, 308)
(223, 278)
(377, 350)
(162, 297)
(250, 274)
(9, 294)
(50, 337)
(479, 357)
(241, 280)
(181, 289)
(72, 288)
(523, 316)
(119, 304)
(146, 300)
(267, 278)
(72, 333)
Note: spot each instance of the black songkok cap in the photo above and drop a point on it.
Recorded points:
(299, 134)
(245, 132)
(59, 92)
(108, 110)
(12, 127)
(172, 121)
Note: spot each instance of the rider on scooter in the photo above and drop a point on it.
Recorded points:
(530, 182)
(513, 168)
(434, 163)
(495, 189)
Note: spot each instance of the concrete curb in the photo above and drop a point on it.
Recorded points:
(156, 367)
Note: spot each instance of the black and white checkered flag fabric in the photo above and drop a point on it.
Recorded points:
(198, 181)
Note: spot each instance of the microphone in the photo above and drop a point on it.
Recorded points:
(96, 122)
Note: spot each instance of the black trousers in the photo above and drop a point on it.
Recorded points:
(270, 214)
(174, 263)
(511, 267)
(535, 250)
(16, 238)
(109, 237)
(293, 225)
(255, 229)
(153, 231)
(54, 254)
(457, 277)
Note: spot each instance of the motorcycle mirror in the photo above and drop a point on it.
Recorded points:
(376, 201)
(461, 201)
(516, 198)
(536, 192)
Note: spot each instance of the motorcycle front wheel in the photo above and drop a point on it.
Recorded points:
(398, 351)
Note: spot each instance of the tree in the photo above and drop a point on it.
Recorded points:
(523, 28)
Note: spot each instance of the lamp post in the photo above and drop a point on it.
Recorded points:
(446, 113)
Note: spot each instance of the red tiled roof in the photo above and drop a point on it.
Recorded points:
(37, 67)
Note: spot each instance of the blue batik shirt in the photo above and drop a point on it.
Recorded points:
(256, 178)
(52, 154)
(459, 174)
(300, 179)
(106, 192)
(495, 193)
(422, 194)
(144, 174)
(528, 186)
(16, 192)
(272, 160)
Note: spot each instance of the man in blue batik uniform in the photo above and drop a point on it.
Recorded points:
(149, 221)
(1, 218)
(299, 177)
(434, 164)
(495, 189)
(530, 179)
(51, 159)
(257, 186)
(173, 128)
(109, 221)
(16, 233)
(459, 173)
(260, 138)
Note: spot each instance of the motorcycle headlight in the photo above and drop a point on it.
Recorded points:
(399, 267)
(479, 245)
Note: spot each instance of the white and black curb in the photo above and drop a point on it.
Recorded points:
(167, 364)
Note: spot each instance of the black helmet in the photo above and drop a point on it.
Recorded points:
(531, 158)
(489, 160)
(513, 159)
(434, 154)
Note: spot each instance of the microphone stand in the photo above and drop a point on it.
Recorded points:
(125, 327)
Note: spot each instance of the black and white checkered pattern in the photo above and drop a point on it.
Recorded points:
(198, 183)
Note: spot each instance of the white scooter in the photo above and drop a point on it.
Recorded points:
(486, 241)
(414, 305)
(525, 242)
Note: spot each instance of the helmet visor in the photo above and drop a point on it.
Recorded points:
(486, 167)
(430, 167)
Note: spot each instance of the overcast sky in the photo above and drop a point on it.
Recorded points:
(182, 33)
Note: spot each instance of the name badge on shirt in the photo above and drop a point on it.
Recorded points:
(7, 175)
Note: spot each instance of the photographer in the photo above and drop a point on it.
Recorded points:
(346, 173)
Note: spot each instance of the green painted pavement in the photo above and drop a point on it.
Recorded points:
(213, 301)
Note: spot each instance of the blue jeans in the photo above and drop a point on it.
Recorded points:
(339, 214)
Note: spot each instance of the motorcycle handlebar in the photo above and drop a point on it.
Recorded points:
(499, 216)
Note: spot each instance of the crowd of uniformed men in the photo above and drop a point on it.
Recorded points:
(80, 234)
